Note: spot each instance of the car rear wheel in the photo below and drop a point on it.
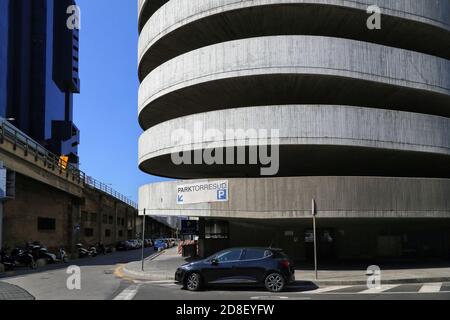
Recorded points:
(194, 282)
(275, 282)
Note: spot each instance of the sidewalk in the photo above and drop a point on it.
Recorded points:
(12, 292)
(158, 267)
(162, 267)
(388, 276)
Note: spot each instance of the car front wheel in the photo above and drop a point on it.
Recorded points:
(275, 282)
(194, 282)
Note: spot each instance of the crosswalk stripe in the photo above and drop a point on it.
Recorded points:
(326, 289)
(380, 289)
(430, 288)
(168, 282)
(128, 294)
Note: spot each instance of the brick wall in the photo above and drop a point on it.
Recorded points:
(35, 201)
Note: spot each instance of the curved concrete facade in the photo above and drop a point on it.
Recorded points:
(300, 127)
(181, 25)
(337, 197)
(363, 115)
(232, 73)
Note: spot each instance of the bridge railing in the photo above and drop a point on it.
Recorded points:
(52, 162)
(93, 183)
(29, 146)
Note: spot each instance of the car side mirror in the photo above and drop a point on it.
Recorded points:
(215, 262)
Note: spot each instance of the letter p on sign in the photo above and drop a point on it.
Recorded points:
(222, 195)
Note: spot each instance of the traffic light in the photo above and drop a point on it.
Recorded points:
(63, 162)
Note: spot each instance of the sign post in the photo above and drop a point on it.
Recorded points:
(314, 213)
(143, 240)
(2, 196)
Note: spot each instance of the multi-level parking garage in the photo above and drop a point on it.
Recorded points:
(363, 118)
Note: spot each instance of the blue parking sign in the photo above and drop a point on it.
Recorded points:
(222, 194)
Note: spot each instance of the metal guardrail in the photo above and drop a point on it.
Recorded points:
(93, 183)
(52, 162)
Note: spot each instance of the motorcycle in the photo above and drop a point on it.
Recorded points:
(83, 252)
(6, 260)
(40, 252)
(23, 257)
(102, 249)
(63, 255)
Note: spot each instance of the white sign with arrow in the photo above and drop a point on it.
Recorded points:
(203, 192)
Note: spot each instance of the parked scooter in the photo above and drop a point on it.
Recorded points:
(102, 249)
(39, 252)
(23, 257)
(6, 260)
(83, 252)
(63, 257)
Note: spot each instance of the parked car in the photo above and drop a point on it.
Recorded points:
(269, 267)
(160, 244)
(124, 246)
(167, 243)
(172, 242)
(148, 243)
(134, 243)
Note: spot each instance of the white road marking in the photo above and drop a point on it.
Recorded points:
(129, 293)
(168, 282)
(325, 289)
(380, 290)
(269, 298)
(431, 288)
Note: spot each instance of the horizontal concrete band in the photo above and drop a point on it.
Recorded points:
(146, 8)
(300, 125)
(294, 69)
(288, 198)
(184, 25)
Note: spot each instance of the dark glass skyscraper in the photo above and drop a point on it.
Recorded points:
(39, 72)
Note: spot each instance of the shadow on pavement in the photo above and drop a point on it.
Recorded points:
(363, 265)
(108, 260)
(297, 286)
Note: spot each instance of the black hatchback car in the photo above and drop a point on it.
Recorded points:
(250, 266)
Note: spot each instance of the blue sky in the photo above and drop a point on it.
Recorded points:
(106, 109)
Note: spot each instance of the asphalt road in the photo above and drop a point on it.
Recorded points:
(100, 282)
(171, 291)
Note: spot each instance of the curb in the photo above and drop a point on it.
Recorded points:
(154, 256)
(391, 281)
(14, 292)
(139, 275)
